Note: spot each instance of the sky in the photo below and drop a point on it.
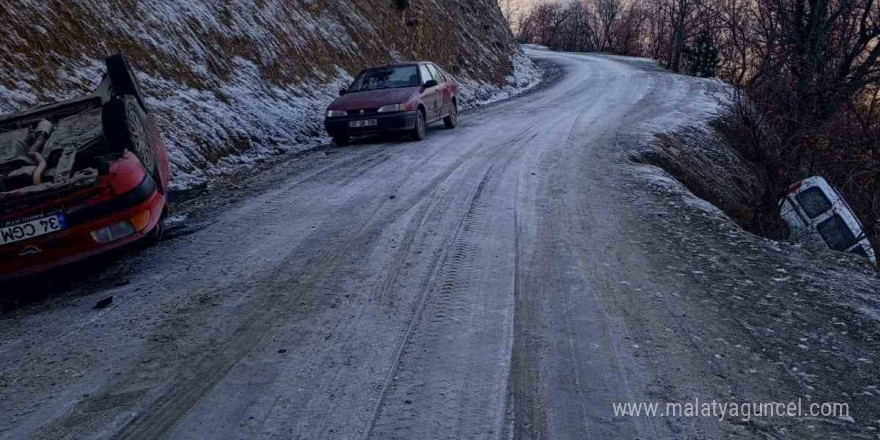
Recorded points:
(526, 2)
(522, 5)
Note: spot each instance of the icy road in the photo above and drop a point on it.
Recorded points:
(511, 278)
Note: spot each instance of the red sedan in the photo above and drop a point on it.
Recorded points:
(80, 177)
(399, 98)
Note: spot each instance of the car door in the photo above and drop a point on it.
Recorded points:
(444, 91)
(430, 96)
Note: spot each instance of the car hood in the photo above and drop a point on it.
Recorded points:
(373, 98)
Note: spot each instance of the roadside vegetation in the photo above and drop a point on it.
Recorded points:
(806, 73)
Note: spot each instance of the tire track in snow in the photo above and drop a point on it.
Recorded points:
(444, 305)
(182, 396)
(455, 251)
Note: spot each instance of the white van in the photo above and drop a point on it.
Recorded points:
(816, 212)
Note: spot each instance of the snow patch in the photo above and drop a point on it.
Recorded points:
(476, 94)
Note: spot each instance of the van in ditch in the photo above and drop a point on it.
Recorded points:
(816, 212)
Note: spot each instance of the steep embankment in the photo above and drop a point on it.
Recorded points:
(234, 80)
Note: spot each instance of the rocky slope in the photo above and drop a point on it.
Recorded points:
(232, 81)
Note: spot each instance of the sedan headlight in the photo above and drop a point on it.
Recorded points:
(391, 108)
(336, 113)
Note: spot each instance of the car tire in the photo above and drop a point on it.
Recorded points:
(125, 128)
(341, 141)
(418, 132)
(158, 233)
(451, 121)
(124, 80)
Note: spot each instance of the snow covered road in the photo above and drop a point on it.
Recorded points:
(492, 281)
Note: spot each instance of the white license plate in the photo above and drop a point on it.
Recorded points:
(364, 123)
(27, 228)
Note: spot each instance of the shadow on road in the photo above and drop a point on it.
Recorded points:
(98, 273)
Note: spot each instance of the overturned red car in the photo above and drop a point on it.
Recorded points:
(81, 177)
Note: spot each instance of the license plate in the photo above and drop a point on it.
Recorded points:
(364, 123)
(30, 228)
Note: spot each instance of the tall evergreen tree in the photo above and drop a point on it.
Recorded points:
(702, 56)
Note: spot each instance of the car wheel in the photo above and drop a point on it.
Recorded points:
(419, 131)
(451, 121)
(158, 232)
(124, 80)
(341, 141)
(125, 127)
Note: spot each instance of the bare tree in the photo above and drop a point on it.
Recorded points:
(736, 26)
(684, 18)
(608, 12)
(544, 25)
(807, 71)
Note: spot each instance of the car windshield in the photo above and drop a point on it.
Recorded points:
(386, 78)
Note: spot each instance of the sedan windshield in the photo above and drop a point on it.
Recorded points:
(386, 78)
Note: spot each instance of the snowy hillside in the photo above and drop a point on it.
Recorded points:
(235, 80)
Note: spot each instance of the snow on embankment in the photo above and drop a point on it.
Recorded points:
(758, 310)
(682, 154)
(236, 80)
(684, 143)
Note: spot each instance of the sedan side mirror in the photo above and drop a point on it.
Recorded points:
(343, 92)
(431, 83)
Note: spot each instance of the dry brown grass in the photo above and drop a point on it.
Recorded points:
(449, 32)
(50, 49)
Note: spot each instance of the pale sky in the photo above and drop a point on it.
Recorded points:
(517, 4)
(523, 4)
(520, 6)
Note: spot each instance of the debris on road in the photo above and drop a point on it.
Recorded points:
(104, 303)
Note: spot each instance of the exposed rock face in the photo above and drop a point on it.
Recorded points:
(240, 76)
